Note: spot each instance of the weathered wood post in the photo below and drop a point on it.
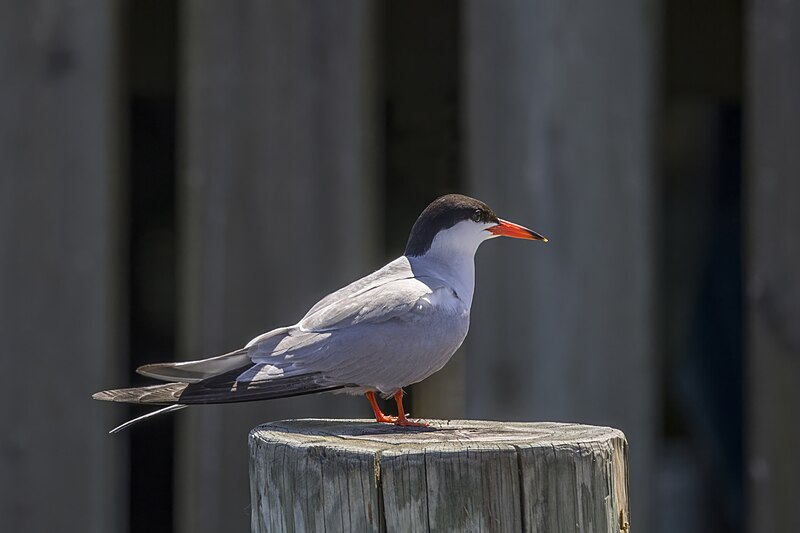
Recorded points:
(458, 475)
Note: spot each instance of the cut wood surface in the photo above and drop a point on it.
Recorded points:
(457, 475)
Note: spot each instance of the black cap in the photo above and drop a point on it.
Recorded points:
(443, 213)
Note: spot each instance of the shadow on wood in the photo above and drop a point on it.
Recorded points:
(458, 475)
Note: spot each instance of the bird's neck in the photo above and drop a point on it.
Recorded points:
(451, 258)
(454, 267)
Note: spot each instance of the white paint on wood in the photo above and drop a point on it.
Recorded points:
(356, 475)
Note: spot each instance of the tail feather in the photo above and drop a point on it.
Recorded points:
(167, 409)
(168, 393)
(238, 384)
(224, 388)
(227, 388)
(194, 371)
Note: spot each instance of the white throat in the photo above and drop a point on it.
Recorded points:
(451, 257)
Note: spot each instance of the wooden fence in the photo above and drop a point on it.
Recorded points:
(280, 121)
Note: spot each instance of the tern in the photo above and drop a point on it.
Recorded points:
(383, 332)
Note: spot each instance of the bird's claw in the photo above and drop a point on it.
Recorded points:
(405, 422)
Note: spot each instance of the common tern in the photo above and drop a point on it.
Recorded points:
(383, 332)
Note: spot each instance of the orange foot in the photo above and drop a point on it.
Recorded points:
(389, 419)
(405, 422)
(379, 416)
(401, 418)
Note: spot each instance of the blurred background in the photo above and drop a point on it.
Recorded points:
(179, 176)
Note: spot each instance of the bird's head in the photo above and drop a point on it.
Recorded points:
(456, 223)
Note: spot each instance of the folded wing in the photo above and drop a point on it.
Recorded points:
(329, 349)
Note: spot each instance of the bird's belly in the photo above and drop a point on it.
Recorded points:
(413, 351)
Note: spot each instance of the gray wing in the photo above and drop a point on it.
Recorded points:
(334, 340)
(331, 348)
(379, 303)
(396, 270)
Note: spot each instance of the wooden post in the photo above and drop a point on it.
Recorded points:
(458, 475)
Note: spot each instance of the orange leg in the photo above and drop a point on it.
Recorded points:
(379, 416)
(401, 413)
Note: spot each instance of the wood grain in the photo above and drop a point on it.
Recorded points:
(356, 475)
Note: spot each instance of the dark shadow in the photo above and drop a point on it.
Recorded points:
(149, 88)
(342, 428)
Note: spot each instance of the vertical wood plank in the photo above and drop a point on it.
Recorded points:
(59, 237)
(277, 206)
(313, 487)
(559, 99)
(773, 263)
(588, 479)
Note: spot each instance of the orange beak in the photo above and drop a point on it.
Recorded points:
(509, 229)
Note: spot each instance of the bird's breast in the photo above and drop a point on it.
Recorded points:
(443, 301)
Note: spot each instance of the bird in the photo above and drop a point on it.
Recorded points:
(375, 336)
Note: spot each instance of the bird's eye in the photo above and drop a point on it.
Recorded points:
(477, 215)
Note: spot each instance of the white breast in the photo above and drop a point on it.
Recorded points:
(442, 300)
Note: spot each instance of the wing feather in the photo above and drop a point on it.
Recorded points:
(334, 346)
(193, 371)
(398, 269)
(380, 303)
(344, 341)
(227, 388)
